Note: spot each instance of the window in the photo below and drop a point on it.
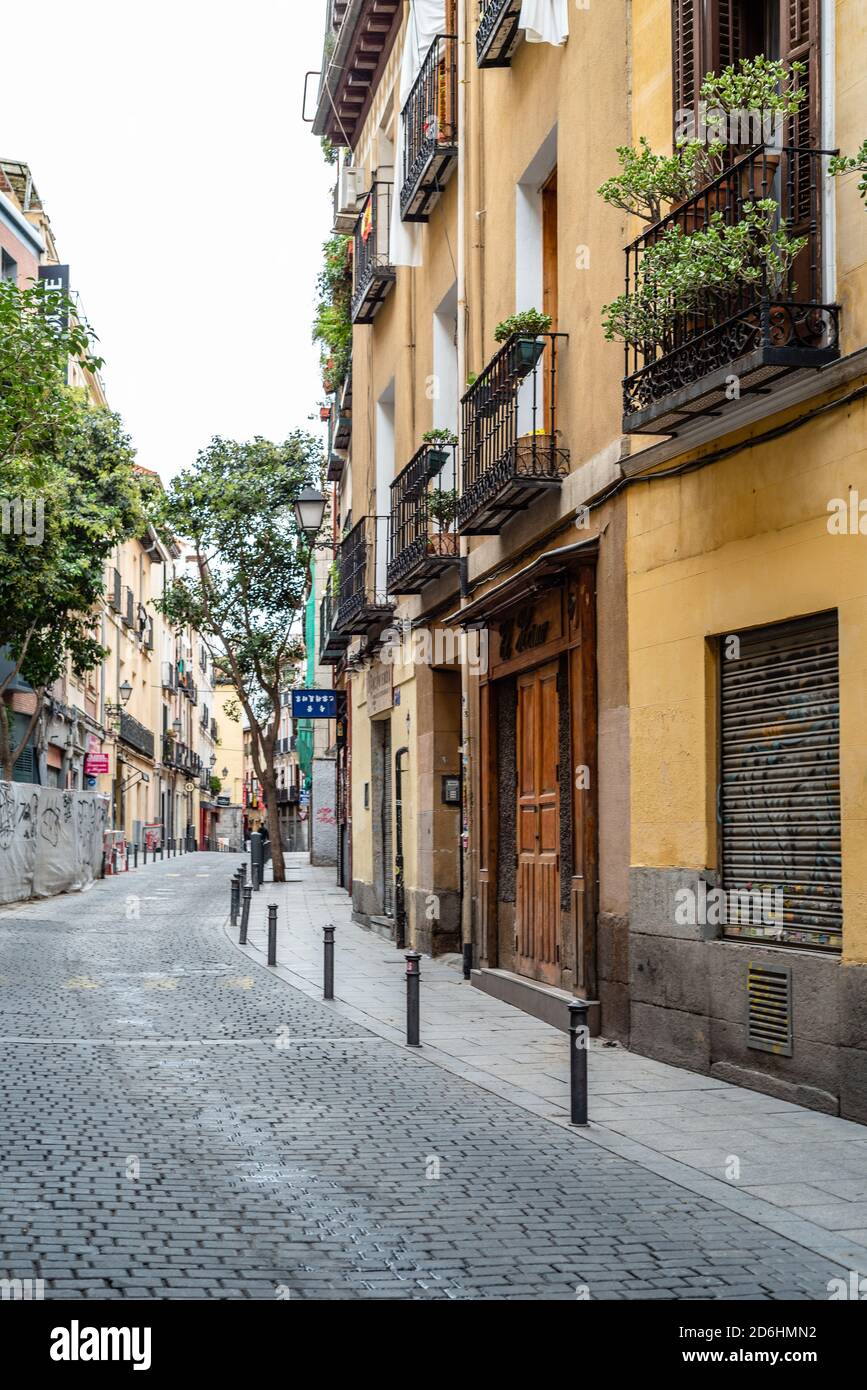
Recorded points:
(779, 789)
(709, 35)
(8, 267)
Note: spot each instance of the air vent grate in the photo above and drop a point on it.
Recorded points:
(769, 1009)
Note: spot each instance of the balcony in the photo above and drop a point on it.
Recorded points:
(373, 273)
(430, 150)
(332, 642)
(136, 736)
(511, 452)
(363, 601)
(754, 335)
(497, 35)
(423, 542)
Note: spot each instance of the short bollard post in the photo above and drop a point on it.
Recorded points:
(162, 850)
(135, 856)
(413, 981)
(235, 899)
(328, 991)
(256, 875)
(579, 1046)
(272, 933)
(243, 872)
(127, 858)
(247, 892)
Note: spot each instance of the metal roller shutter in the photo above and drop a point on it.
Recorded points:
(780, 781)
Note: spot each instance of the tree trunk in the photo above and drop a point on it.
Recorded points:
(269, 787)
(5, 742)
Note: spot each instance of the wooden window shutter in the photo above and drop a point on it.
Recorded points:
(687, 49)
(800, 43)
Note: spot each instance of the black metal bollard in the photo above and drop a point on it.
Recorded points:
(328, 992)
(243, 872)
(127, 858)
(579, 1046)
(135, 856)
(162, 850)
(272, 933)
(468, 960)
(413, 981)
(256, 875)
(235, 899)
(247, 892)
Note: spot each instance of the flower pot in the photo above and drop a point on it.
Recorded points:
(523, 356)
(437, 458)
(444, 543)
(536, 456)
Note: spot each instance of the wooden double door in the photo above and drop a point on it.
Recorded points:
(537, 907)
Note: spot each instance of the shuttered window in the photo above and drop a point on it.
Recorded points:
(780, 783)
(709, 35)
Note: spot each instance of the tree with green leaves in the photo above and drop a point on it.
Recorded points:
(68, 494)
(251, 578)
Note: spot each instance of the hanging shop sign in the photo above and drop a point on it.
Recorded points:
(314, 704)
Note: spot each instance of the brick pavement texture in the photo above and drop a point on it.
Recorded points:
(181, 1123)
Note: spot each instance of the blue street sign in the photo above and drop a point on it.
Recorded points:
(314, 704)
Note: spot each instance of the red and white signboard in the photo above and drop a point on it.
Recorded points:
(96, 764)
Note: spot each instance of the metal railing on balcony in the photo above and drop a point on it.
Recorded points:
(373, 273)
(511, 442)
(114, 589)
(423, 538)
(364, 598)
(332, 642)
(497, 34)
(679, 367)
(430, 131)
(136, 736)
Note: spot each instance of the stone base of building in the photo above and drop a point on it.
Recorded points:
(689, 1005)
(434, 936)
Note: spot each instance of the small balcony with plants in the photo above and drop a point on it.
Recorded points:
(512, 452)
(497, 34)
(423, 542)
(724, 287)
(374, 275)
(430, 131)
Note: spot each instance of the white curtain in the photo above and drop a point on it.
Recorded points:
(545, 21)
(426, 20)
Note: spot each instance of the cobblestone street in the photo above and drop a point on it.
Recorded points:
(180, 1122)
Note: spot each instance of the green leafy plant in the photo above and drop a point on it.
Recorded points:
(442, 505)
(332, 324)
(216, 786)
(762, 86)
(439, 436)
(251, 578)
(683, 272)
(648, 182)
(71, 468)
(529, 321)
(847, 164)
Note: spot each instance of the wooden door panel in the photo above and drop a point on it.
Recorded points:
(537, 919)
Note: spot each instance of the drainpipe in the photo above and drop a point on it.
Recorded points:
(399, 878)
(465, 875)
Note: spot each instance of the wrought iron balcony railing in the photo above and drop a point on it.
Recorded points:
(755, 332)
(332, 642)
(423, 539)
(373, 272)
(364, 598)
(497, 35)
(136, 736)
(430, 131)
(511, 449)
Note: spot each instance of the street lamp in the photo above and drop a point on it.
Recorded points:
(309, 512)
(125, 691)
(213, 760)
(178, 728)
(225, 772)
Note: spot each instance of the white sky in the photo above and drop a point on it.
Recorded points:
(189, 199)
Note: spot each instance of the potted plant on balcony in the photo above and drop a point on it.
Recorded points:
(442, 506)
(526, 329)
(440, 442)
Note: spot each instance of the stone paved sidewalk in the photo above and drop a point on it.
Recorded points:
(799, 1173)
